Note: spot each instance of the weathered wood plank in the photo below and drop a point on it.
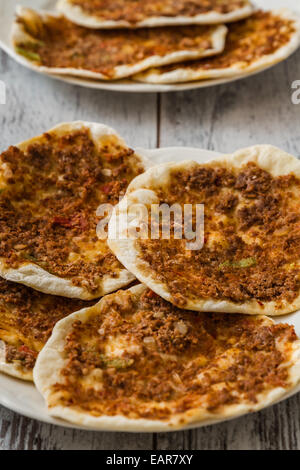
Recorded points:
(34, 104)
(276, 428)
(243, 113)
(253, 111)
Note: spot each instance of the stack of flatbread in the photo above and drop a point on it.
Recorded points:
(154, 41)
(189, 337)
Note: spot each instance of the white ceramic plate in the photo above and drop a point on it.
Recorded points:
(23, 398)
(7, 9)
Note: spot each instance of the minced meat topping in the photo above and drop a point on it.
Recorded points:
(60, 43)
(247, 41)
(134, 11)
(167, 361)
(27, 318)
(48, 202)
(251, 237)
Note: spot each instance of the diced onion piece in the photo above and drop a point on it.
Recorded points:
(181, 327)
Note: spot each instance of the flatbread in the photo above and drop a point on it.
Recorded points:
(50, 189)
(260, 41)
(249, 262)
(27, 318)
(134, 362)
(152, 13)
(52, 44)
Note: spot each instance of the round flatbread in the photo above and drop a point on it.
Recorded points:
(258, 42)
(50, 189)
(27, 318)
(51, 43)
(152, 13)
(246, 257)
(134, 362)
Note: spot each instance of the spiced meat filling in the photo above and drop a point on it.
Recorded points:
(168, 360)
(27, 318)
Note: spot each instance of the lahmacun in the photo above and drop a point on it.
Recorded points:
(252, 44)
(249, 262)
(153, 13)
(50, 189)
(51, 43)
(27, 318)
(134, 362)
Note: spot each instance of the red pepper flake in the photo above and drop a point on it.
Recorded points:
(106, 189)
(62, 221)
(151, 294)
(83, 223)
(26, 350)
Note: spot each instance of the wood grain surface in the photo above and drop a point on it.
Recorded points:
(253, 111)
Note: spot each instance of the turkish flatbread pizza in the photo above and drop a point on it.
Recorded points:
(50, 189)
(233, 243)
(255, 43)
(134, 362)
(52, 44)
(27, 318)
(152, 13)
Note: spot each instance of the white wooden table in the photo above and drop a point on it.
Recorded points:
(253, 111)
